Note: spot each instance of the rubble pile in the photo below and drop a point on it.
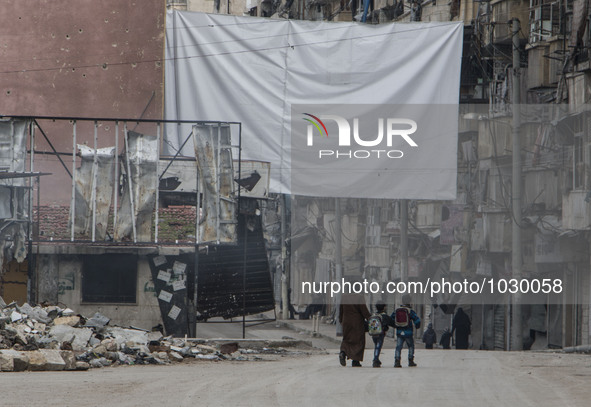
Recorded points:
(52, 338)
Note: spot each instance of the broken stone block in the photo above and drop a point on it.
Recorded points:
(67, 312)
(53, 359)
(98, 320)
(122, 335)
(110, 345)
(80, 365)
(154, 336)
(228, 348)
(69, 359)
(73, 320)
(21, 334)
(20, 359)
(37, 361)
(15, 316)
(77, 336)
(206, 348)
(6, 362)
(39, 326)
(52, 311)
(176, 357)
(36, 313)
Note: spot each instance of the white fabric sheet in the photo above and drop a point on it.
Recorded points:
(252, 70)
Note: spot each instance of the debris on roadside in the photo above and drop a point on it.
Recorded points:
(51, 338)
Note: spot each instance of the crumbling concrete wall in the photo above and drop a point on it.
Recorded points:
(47, 279)
(60, 281)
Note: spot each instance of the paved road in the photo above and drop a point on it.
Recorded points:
(443, 378)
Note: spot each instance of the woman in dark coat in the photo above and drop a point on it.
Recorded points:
(352, 315)
(461, 325)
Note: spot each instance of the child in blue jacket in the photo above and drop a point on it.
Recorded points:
(403, 319)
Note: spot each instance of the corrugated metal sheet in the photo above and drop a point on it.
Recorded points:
(14, 202)
(140, 188)
(254, 178)
(214, 162)
(13, 153)
(221, 283)
(94, 183)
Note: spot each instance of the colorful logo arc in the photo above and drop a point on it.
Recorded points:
(316, 124)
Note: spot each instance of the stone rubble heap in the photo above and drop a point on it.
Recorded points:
(52, 338)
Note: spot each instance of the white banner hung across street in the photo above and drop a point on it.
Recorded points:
(257, 70)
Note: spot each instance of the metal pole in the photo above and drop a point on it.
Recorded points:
(517, 340)
(284, 293)
(338, 254)
(94, 181)
(244, 280)
(131, 199)
(218, 182)
(156, 218)
(73, 201)
(193, 300)
(32, 169)
(403, 239)
(116, 177)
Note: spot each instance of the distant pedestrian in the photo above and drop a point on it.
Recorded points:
(403, 319)
(429, 337)
(352, 315)
(445, 339)
(377, 328)
(462, 326)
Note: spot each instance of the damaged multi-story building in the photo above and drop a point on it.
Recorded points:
(470, 237)
(97, 211)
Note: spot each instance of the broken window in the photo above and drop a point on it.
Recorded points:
(109, 278)
(544, 19)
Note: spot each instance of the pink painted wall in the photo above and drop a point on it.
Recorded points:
(85, 58)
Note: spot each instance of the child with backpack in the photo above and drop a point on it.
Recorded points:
(377, 328)
(403, 319)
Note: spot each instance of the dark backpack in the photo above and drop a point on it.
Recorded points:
(402, 317)
(374, 325)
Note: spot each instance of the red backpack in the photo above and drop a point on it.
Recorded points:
(402, 317)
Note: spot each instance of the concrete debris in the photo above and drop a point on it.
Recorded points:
(50, 338)
(97, 321)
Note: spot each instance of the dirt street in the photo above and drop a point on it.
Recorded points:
(443, 378)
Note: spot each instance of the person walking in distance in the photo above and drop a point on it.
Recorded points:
(352, 315)
(403, 319)
(429, 337)
(461, 325)
(445, 339)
